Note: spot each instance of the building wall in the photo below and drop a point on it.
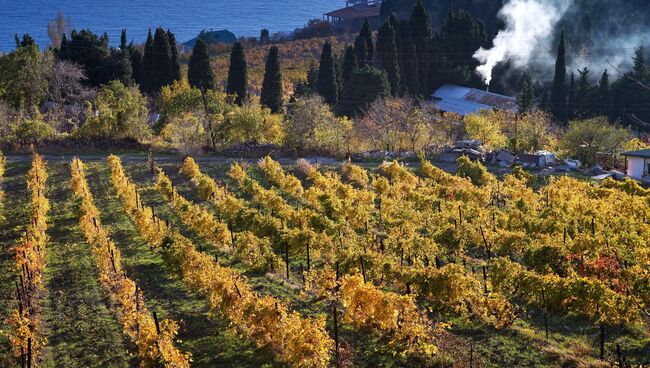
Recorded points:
(636, 167)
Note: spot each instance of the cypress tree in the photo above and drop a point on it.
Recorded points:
(640, 70)
(176, 67)
(558, 92)
(349, 64)
(123, 45)
(326, 84)
(545, 102)
(366, 85)
(135, 56)
(364, 40)
(583, 94)
(387, 55)
(525, 99)
(238, 74)
(603, 94)
(421, 32)
(361, 50)
(386, 9)
(571, 107)
(199, 72)
(146, 68)
(408, 60)
(271, 95)
(161, 67)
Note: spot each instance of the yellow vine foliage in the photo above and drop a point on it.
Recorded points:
(24, 322)
(246, 247)
(364, 305)
(296, 341)
(155, 348)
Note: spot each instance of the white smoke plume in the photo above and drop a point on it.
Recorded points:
(528, 27)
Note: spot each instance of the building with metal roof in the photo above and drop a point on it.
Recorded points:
(465, 100)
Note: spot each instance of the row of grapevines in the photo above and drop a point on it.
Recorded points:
(2, 172)
(154, 341)
(364, 306)
(585, 246)
(26, 332)
(261, 218)
(245, 246)
(296, 341)
(447, 287)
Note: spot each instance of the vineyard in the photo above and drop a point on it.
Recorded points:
(122, 263)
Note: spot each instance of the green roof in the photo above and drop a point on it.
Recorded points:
(223, 36)
(640, 153)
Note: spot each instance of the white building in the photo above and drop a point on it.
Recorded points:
(638, 164)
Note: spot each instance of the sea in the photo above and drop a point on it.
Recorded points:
(185, 18)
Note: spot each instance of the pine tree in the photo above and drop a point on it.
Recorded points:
(408, 66)
(326, 84)
(421, 32)
(238, 74)
(349, 64)
(387, 55)
(364, 41)
(199, 72)
(603, 94)
(146, 68)
(571, 106)
(271, 95)
(558, 92)
(176, 67)
(525, 99)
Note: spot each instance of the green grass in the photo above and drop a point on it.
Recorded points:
(82, 329)
(211, 341)
(12, 222)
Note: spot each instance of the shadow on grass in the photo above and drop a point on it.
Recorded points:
(210, 340)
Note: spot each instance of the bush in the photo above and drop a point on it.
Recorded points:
(186, 134)
(118, 112)
(476, 172)
(32, 131)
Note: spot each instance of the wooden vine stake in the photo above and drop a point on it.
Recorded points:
(286, 258)
(155, 319)
(336, 332)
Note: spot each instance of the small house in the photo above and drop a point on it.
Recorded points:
(638, 164)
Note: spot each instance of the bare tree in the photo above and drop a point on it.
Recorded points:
(65, 83)
(395, 123)
(57, 27)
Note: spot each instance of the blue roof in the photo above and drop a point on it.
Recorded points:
(465, 101)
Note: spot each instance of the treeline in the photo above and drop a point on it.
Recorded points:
(455, 30)
(574, 96)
